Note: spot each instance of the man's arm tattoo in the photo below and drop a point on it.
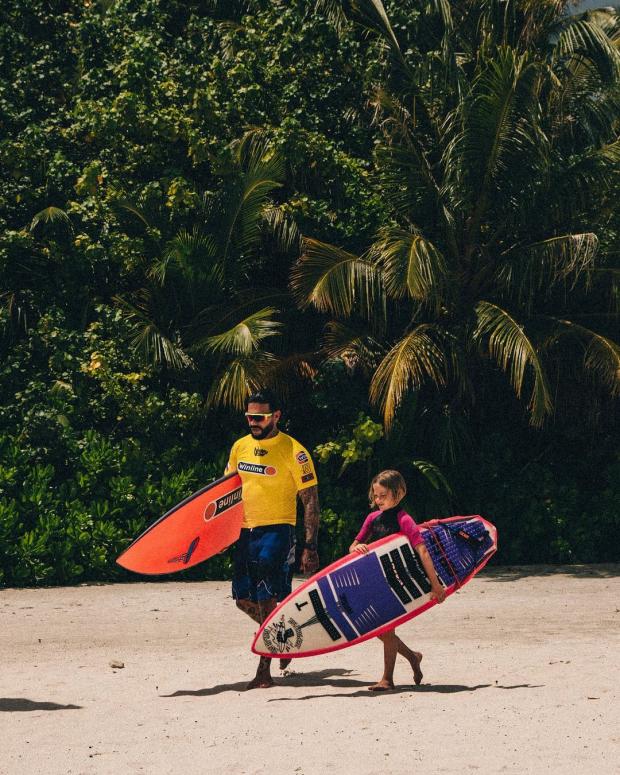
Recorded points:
(312, 512)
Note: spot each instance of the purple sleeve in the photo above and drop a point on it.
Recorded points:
(365, 529)
(410, 529)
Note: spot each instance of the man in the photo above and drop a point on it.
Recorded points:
(274, 470)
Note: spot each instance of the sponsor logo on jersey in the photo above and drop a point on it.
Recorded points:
(219, 506)
(307, 477)
(260, 452)
(306, 468)
(301, 457)
(255, 468)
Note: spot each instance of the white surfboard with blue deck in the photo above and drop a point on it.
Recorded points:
(363, 595)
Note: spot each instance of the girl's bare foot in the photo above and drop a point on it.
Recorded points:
(381, 686)
(415, 664)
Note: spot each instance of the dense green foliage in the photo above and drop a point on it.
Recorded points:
(198, 197)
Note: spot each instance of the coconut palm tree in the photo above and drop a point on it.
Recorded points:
(207, 303)
(499, 155)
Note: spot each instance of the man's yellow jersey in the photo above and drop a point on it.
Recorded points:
(272, 471)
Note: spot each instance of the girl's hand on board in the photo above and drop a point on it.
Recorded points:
(438, 593)
(359, 548)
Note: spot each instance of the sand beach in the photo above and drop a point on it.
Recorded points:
(520, 676)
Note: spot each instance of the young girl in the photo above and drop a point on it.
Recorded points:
(387, 490)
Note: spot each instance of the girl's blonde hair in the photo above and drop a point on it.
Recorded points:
(392, 481)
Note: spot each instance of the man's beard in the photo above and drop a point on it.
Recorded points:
(264, 432)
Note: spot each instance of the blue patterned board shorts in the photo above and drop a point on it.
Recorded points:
(263, 563)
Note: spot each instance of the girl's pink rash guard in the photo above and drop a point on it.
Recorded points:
(407, 526)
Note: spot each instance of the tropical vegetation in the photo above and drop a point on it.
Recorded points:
(401, 216)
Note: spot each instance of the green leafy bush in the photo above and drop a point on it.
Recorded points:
(91, 452)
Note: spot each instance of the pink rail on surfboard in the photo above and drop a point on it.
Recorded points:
(361, 596)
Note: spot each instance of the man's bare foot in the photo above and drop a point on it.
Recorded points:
(415, 664)
(381, 686)
(284, 663)
(262, 679)
(260, 682)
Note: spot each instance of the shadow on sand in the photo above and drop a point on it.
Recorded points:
(423, 688)
(338, 679)
(316, 678)
(22, 705)
(518, 572)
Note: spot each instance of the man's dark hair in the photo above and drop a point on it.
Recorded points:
(264, 396)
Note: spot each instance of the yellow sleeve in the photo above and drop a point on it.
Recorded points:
(303, 471)
(231, 466)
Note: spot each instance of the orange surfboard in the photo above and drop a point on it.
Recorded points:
(202, 525)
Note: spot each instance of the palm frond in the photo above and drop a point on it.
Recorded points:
(333, 11)
(16, 312)
(596, 114)
(290, 374)
(225, 312)
(553, 7)
(568, 254)
(515, 353)
(433, 475)
(373, 15)
(51, 215)
(237, 380)
(333, 280)
(247, 200)
(282, 225)
(391, 115)
(444, 9)
(419, 357)
(596, 160)
(156, 346)
(494, 128)
(254, 146)
(227, 29)
(601, 354)
(410, 184)
(603, 358)
(585, 38)
(192, 252)
(353, 344)
(407, 181)
(258, 159)
(245, 337)
(544, 264)
(411, 265)
(586, 99)
(133, 208)
(159, 268)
